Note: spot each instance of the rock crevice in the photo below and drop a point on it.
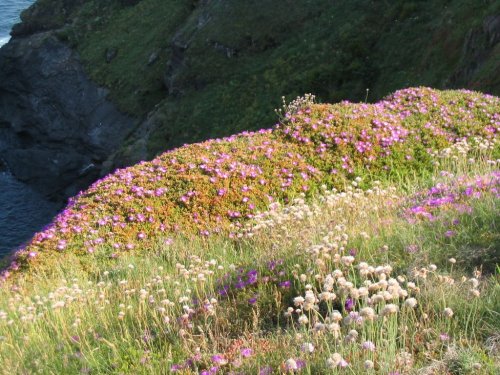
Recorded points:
(57, 126)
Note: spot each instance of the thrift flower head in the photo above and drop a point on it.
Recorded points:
(368, 345)
(303, 319)
(411, 302)
(390, 309)
(291, 364)
(448, 312)
(219, 359)
(307, 347)
(369, 364)
(336, 360)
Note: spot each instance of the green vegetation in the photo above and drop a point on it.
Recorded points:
(352, 237)
(215, 186)
(226, 63)
(358, 281)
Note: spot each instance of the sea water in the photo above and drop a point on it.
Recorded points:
(9, 15)
(23, 211)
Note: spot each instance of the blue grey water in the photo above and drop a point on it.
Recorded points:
(22, 210)
(9, 15)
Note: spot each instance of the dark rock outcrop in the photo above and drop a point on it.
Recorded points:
(56, 126)
(479, 46)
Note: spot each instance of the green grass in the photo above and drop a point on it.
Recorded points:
(151, 271)
(125, 315)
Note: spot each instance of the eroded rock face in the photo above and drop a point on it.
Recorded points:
(479, 47)
(56, 126)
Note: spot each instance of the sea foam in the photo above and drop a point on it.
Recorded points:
(4, 40)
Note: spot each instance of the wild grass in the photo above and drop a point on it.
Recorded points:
(352, 281)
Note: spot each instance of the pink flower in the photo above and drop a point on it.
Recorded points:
(246, 352)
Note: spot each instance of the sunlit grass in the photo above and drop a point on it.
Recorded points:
(344, 283)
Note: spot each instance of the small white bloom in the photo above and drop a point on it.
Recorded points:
(334, 360)
(390, 309)
(303, 319)
(298, 301)
(291, 364)
(411, 302)
(369, 364)
(307, 347)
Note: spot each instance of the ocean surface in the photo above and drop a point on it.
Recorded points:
(22, 213)
(9, 15)
(22, 210)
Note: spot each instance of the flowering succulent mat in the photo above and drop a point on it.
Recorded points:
(357, 238)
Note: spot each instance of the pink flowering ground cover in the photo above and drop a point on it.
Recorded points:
(214, 186)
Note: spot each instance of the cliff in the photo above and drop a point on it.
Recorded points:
(56, 126)
(87, 86)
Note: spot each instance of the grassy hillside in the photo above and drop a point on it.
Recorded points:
(215, 186)
(230, 61)
(376, 251)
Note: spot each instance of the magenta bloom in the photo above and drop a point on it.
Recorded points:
(246, 352)
(449, 233)
(219, 359)
(444, 337)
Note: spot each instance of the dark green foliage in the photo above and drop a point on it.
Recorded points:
(209, 69)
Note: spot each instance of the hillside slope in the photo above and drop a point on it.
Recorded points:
(351, 238)
(215, 186)
(193, 70)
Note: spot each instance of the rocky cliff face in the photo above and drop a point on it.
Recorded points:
(56, 126)
(480, 48)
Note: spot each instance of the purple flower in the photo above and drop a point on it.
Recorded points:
(300, 364)
(252, 277)
(240, 284)
(271, 265)
(224, 291)
(219, 359)
(252, 300)
(246, 352)
(285, 284)
(449, 233)
(266, 370)
(368, 345)
(349, 304)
